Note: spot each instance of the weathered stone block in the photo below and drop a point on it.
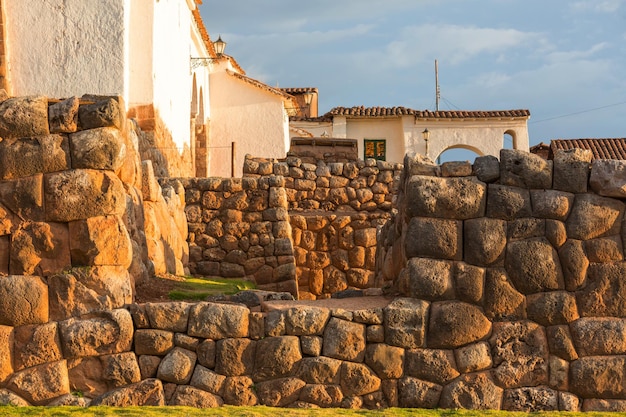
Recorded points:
(102, 113)
(415, 393)
(39, 249)
(508, 203)
(100, 241)
(208, 380)
(551, 204)
(560, 342)
(599, 336)
(358, 379)
(276, 357)
(432, 365)
(454, 324)
(575, 264)
(36, 345)
(188, 396)
(145, 393)
(101, 148)
(525, 170)
(405, 322)
(322, 395)
(23, 300)
(594, 216)
(239, 390)
(520, 354)
(177, 366)
(605, 249)
(26, 157)
(63, 116)
(235, 356)
(344, 340)
(120, 369)
(102, 333)
(451, 198)
(469, 282)
(530, 399)
(608, 177)
(41, 383)
(533, 266)
(571, 170)
(551, 308)
(599, 377)
(485, 241)
(604, 294)
(472, 391)
(153, 341)
(386, 361)
(279, 392)
(502, 301)
(474, 357)
(22, 117)
(218, 321)
(319, 370)
(24, 197)
(429, 279)
(80, 193)
(434, 238)
(487, 168)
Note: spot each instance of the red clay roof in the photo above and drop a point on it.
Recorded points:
(602, 148)
(299, 90)
(261, 85)
(207, 39)
(361, 111)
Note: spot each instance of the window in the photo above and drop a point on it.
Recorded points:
(375, 148)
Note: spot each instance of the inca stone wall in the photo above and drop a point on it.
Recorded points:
(335, 209)
(239, 228)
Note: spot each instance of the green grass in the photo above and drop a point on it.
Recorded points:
(231, 411)
(199, 288)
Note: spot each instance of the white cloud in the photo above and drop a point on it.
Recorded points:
(455, 44)
(567, 56)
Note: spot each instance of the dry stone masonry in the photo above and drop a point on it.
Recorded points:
(504, 279)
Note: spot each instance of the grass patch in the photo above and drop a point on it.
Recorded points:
(199, 288)
(261, 411)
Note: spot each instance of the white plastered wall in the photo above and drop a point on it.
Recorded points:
(62, 48)
(249, 116)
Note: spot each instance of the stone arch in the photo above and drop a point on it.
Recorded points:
(194, 97)
(466, 147)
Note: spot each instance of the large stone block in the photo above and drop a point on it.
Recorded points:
(148, 392)
(177, 366)
(322, 395)
(428, 279)
(40, 249)
(63, 116)
(485, 241)
(101, 148)
(502, 301)
(415, 393)
(608, 177)
(594, 216)
(305, 320)
(36, 345)
(22, 117)
(358, 379)
(100, 241)
(23, 300)
(487, 168)
(153, 342)
(453, 324)
(596, 336)
(605, 249)
(434, 238)
(560, 342)
(575, 263)
(172, 316)
(83, 290)
(79, 194)
(25, 157)
(508, 203)
(100, 333)
(208, 380)
(239, 390)
(525, 170)
(279, 392)
(405, 323)
(472, 391)
(218, 321)
(386, 361)
(469, 282)
(434, 365)
(451, 198)
(520, 354)
(530, 399)
(276, 357)
(188, 396)
(6, 353)
(533, 266)
(24, 197)
(102, 113)
(474, 357)
(344, 340)
(41, 383)
(604, 294)
(551, 204)
(599, 377)
(571, 170)
(319, 370)
(120, 369)
(551, 308)
(235, 356)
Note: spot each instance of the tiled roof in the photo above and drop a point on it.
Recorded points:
(603, 148)
(362, 111)
(299, 90)
(261, 85)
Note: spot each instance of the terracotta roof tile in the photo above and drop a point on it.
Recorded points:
(207, 39)
(602, 148)
(361, 111)
(261, 85)
(299, 90)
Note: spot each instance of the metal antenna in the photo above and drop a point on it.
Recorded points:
(437, 89)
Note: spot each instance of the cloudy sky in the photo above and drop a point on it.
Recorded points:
(565, 61)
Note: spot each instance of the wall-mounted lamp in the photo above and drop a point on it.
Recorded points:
(426, 136)
(219, 45)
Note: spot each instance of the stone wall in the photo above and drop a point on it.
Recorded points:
(517, 268)
(239, 228)
(80, 220)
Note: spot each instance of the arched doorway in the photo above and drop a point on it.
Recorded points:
(459, 153)
(509, 140)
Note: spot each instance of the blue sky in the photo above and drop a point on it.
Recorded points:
(565, 61)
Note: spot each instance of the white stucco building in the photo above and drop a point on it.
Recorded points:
(390, 132)
(158, 57)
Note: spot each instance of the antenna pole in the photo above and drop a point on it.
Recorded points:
(437, 90)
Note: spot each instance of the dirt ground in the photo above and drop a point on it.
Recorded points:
(155, 289)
